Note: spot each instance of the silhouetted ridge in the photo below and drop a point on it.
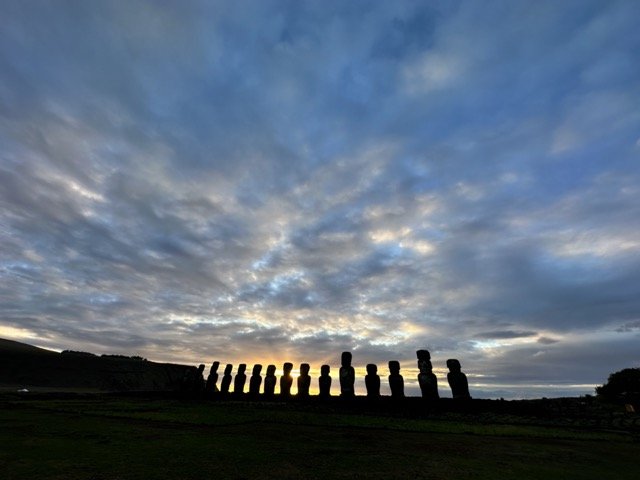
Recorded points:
(28, 366)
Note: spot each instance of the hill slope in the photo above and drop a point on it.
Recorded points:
(29, 366)
(11, 346)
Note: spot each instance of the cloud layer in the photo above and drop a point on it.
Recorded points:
(271, 181)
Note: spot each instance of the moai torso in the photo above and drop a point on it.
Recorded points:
(255, 381)
(347, 376)
(372, 381)
(396, 382)
(240, 380)
(426, 378)
(270, 381)
(226, 379)
(324, 382)
(212, 379)
(304, 380)
(457, 380)
(286, 380)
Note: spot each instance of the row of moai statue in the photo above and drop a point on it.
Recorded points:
(426, 378)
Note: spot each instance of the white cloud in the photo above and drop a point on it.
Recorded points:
(294, 183)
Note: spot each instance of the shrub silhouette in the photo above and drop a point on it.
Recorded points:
(621, 385)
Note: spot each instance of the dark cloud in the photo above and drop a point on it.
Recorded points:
(629, 327)
(251, 181)
(506, 334)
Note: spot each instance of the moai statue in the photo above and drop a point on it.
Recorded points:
(457, 380)
(270, 381)
(240, 380)
(198, 381)
(226, 379)
(347, 376)
(372, 381)
(396, 382)
(255, 381)
(325, 381)
(426, 378)
(212, 379)
(286, 380)
(304, 380)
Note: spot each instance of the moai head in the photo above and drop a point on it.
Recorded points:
(423, 355)
(394, 367)
(286, 368)
(257, 368)
(346, 359)
(214, 367)
(454, 365)
(201, 368)
(324, 370)
(242, 368)
(227, 369)
(271, 370)
(372, 369)
(304, 369)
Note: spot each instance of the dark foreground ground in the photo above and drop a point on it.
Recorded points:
(108, 437)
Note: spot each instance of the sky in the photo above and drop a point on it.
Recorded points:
(271, 181)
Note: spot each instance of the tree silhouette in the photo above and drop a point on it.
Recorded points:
(621, 385)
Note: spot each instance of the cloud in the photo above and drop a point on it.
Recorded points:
(506, 334)
(260, 182)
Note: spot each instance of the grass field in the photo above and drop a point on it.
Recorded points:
(101, 437)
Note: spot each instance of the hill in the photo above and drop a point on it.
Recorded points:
(25, 366)
(11, 346)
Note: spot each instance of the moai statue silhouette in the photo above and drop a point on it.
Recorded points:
(226, 379)
(396, 382)
(198, 380)
(426, 378)
(347, 376)
(270, 381)
(286, 380)
(304, 380)
(372, 381)
(240, 380)
(324, 381)
(212, 379)
(255, 381)
(457, 380)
